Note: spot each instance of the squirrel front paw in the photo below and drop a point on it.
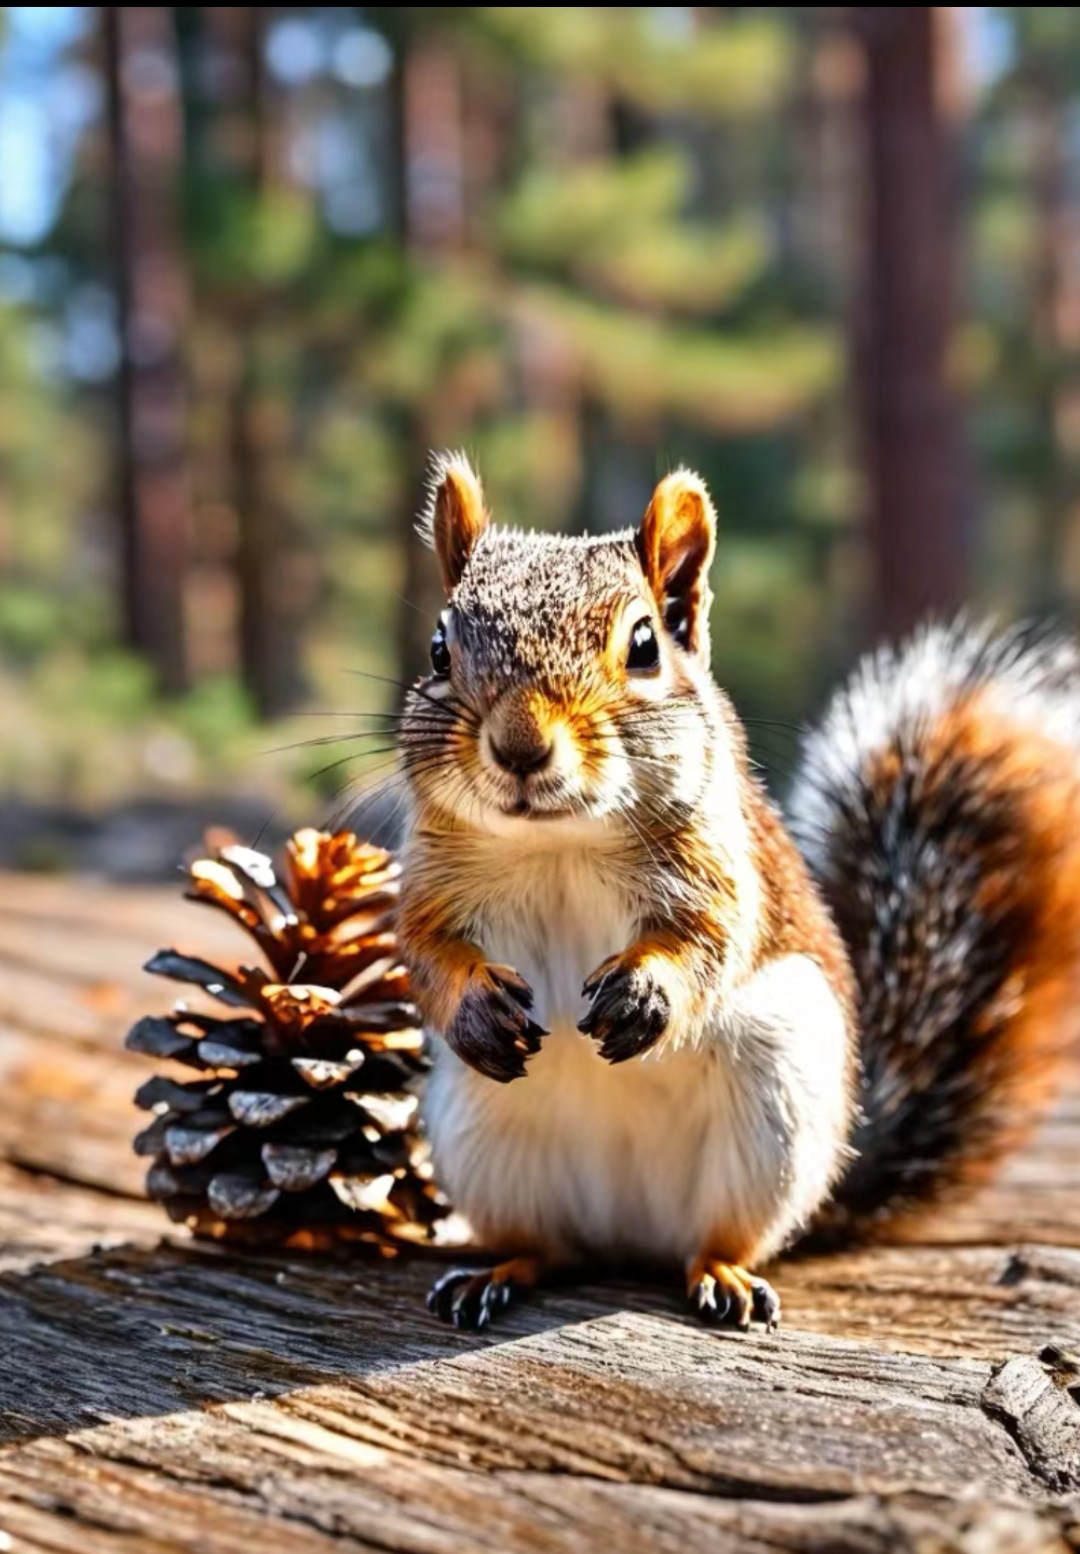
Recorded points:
(630, 1008)
(492, 1030)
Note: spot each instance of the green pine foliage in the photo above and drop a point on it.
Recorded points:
(639, 263)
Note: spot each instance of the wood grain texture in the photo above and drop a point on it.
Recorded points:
(160, 1396)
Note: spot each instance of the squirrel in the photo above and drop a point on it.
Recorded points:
(666, 1025)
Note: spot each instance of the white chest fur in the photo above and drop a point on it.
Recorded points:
(728, 1143)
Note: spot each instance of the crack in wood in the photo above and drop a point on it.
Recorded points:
(1040, 1417)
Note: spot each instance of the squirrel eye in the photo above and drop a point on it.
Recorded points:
(440, 652)
(643, 655)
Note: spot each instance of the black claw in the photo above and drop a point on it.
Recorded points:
(721, 1307)
(492, 1032)
(766, 1304)
(468, 1298)
(514, 987)
(630, 1040)
(466, 1308)
(463, 1307)
(591, 983)
(496, 1297)
(534, 1033)
(627, 1015)
(440, 1297)
(502, 1063)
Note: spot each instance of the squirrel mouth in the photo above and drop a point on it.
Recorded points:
(529, 799)
(523, 809)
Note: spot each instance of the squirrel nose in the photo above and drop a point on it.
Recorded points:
(522, 756)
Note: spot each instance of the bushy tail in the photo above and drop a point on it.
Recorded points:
(939, 808)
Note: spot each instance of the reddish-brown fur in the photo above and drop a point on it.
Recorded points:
(1025, 874)
(1035, 876)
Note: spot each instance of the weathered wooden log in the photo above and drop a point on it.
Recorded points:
(155, 1395)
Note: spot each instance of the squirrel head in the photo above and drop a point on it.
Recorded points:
(569, 675)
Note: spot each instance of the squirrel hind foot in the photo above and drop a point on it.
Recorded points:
(471, 1298)
(727, 1295)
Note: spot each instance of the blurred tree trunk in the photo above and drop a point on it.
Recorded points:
(146, 146)
(618, 461)
(429, 212)
(271, 595)
(270, 571)
(913, 452)
(1056, 331)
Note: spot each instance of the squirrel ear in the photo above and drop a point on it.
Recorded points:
(676, 543)
(456, 514)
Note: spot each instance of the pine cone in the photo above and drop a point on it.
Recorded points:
(301, 1127)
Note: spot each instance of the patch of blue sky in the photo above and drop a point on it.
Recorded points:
(47, 98)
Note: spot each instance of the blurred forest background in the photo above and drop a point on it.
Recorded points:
(255, 262)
